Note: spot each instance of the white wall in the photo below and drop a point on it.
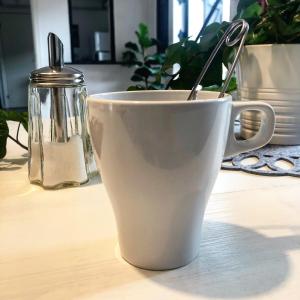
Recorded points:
(233, 6)
(52, 15)
(105, 78)
(226, 10)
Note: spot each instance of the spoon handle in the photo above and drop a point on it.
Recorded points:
(235, 33)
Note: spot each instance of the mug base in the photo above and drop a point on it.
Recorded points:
(160, 267)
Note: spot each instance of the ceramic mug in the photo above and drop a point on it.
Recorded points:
(159, 156)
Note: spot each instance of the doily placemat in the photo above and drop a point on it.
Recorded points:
(267, 161)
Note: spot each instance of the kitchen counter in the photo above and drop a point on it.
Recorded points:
(62, 244)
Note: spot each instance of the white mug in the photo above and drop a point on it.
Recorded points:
(159, 156)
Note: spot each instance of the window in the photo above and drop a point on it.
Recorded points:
(189, 16)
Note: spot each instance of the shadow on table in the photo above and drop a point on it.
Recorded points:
(234, 262)
(13, 163)
(95, 178)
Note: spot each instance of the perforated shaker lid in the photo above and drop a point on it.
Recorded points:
(56, 75)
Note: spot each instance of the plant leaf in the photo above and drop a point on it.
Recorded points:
(244, 4)
(136, 77)
(252, 11)
(173, 55)
(143, 72)
(132, 46)
(155, 59)
(143, 36)
(135, 88)
(3, 137)
(210, 36)
(129, 59)
(9, 115)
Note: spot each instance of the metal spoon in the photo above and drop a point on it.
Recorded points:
(236, 25)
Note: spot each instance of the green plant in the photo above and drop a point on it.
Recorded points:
(147, 66)
(191, 56)
(5, 116)
(270, 21)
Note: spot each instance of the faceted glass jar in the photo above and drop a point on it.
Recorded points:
(59, 145)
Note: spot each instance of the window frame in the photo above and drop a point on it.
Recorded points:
(112, 61)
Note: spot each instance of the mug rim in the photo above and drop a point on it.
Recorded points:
(100, 98)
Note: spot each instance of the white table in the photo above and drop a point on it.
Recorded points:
(62, 244)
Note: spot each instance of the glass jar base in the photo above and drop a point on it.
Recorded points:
(60, 185)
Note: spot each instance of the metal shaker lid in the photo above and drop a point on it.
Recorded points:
(56, 75)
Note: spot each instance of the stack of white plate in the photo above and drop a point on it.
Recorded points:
(271, 73)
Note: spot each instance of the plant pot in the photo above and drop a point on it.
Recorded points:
(271, 73)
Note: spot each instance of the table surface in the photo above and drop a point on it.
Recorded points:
(63, 245)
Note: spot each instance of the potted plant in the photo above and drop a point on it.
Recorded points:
(270, 66)
(156, 71)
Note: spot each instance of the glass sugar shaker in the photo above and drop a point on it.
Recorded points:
(59, 146)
